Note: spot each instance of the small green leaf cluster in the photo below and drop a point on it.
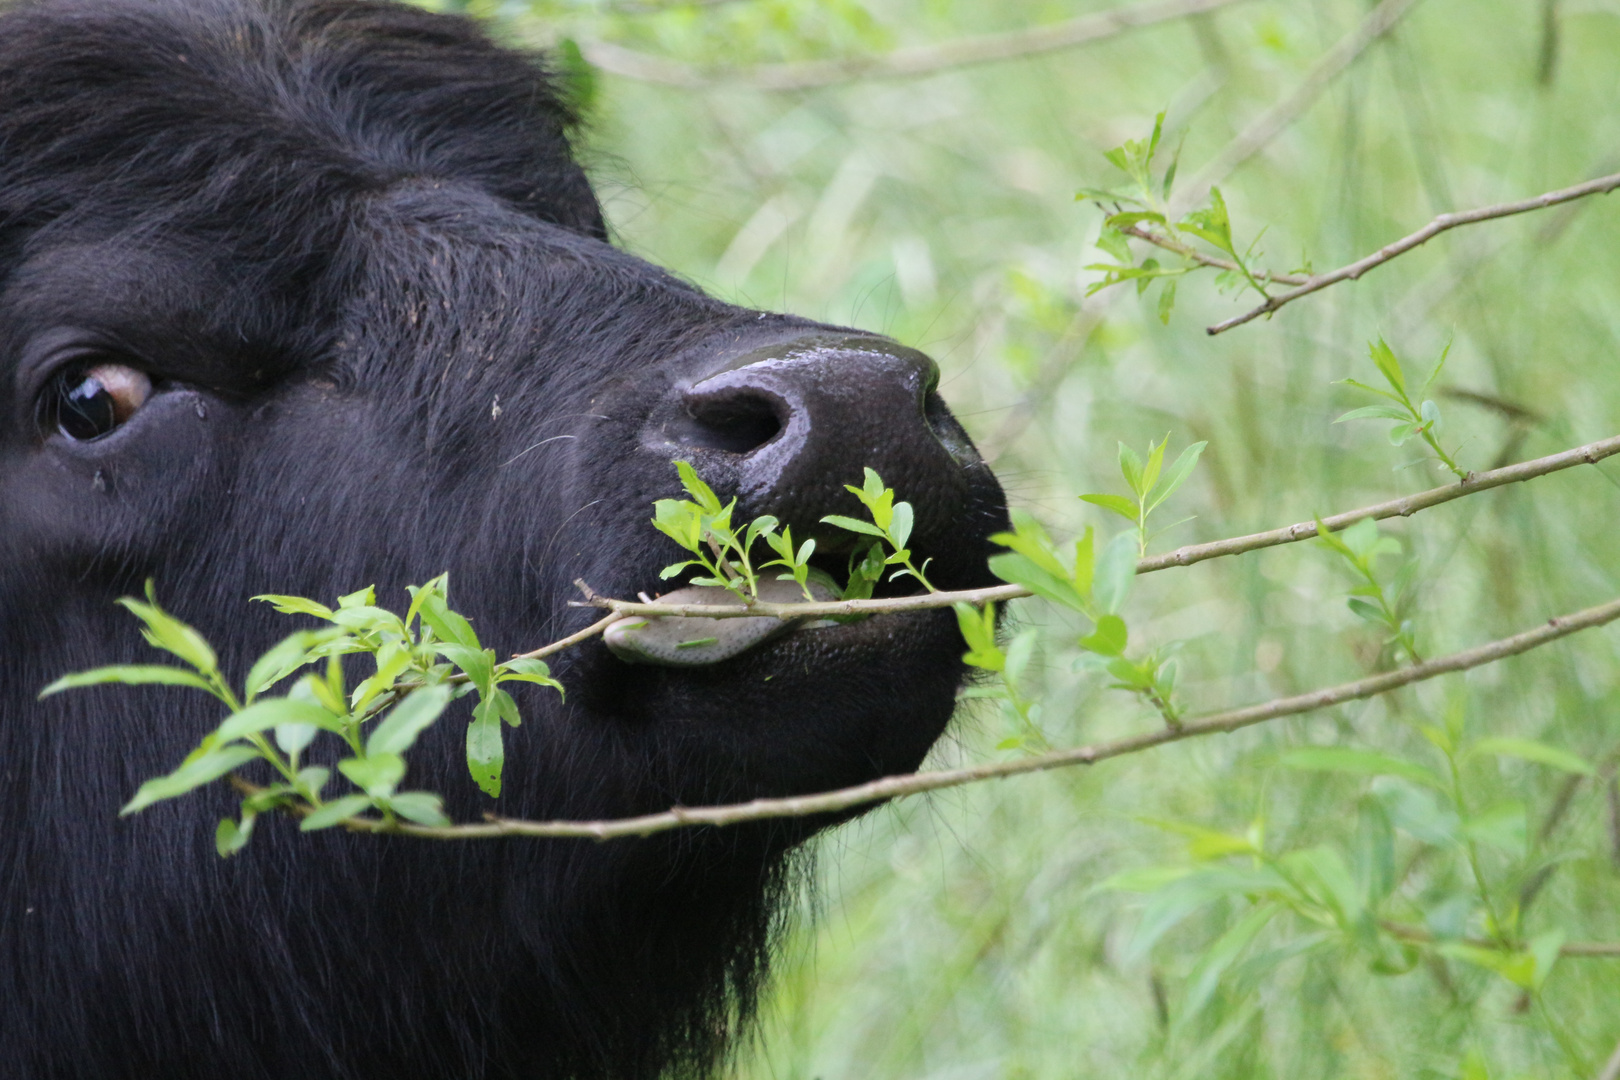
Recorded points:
(377, 721)
(1150, 200)
(724, 554)
(1091, 583)
(891, 525)
(703, 527)
(1150, 486)
(1409, 419)
(1360, 546)
(1365, 895)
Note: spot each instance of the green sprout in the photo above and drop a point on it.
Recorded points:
(1410, 419)
(1150, 486)
(377, 721)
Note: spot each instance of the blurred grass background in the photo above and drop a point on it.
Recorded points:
(963, 935)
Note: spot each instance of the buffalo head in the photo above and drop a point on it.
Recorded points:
(307, 296)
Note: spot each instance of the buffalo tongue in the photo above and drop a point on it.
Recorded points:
(685, 641)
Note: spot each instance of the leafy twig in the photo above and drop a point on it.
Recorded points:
(1405, 506)
(890, 787)
(1445, 222)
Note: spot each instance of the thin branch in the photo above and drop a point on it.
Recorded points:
(1170, 243)
(901, 63)
(1590, 454)
(1404, 506)
(1445, 222)
(1275, 120)
(571, 640)
(890, 787)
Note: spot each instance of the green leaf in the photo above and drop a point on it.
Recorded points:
(422, 807)
(1130, 466)
(1519, 968)
(478, 664)
(900, 525)
(295, 605)
(375, 774)
(700, 492)
(1374, 852)
(294, 739)
(853, 525)
(1370, 612)
(334, 812)
(1374, 390)
(1206, 974)
(1375, 412)
(365, 597)
(1018, 569)
(229, 838)
(1109, 637)
(287, 656)
(527, 669)
(400, 728)
(1184, 464)
(447, 625)
(1388, 365)
(171, 635)
(979, 631)
(1325, 874)
(1119, 504)
(364, 617)
(1155, 465)
(130, 675)
(273, 712)
(1167, 301)
(1360, 763)
(1144, 879)
(485, 752)
(1115, 573)
(1501, 826)
(197, 771)
(1537, 752)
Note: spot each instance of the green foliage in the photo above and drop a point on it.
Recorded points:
(1149, 195)
(422, 662)
(1095, 586)
(1410, 419)
(1360, 546)
(724, 554)
(1150, 486)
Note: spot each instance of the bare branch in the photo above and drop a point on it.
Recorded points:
(1445, 222)
(1276, 119)
(901, 63)
(571, 640)
(1170, 243)
(1404, 506)
(890, 787)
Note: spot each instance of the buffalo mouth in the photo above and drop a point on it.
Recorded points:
(695, 641)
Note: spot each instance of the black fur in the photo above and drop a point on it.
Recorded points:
(339, 235)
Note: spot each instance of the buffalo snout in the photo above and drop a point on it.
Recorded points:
(785, 426)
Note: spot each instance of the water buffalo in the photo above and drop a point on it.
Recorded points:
(304, 296)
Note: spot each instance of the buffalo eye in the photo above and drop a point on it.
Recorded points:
(88, 402)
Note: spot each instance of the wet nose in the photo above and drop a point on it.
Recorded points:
(794, 422)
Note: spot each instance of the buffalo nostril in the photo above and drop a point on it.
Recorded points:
(737, 420)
